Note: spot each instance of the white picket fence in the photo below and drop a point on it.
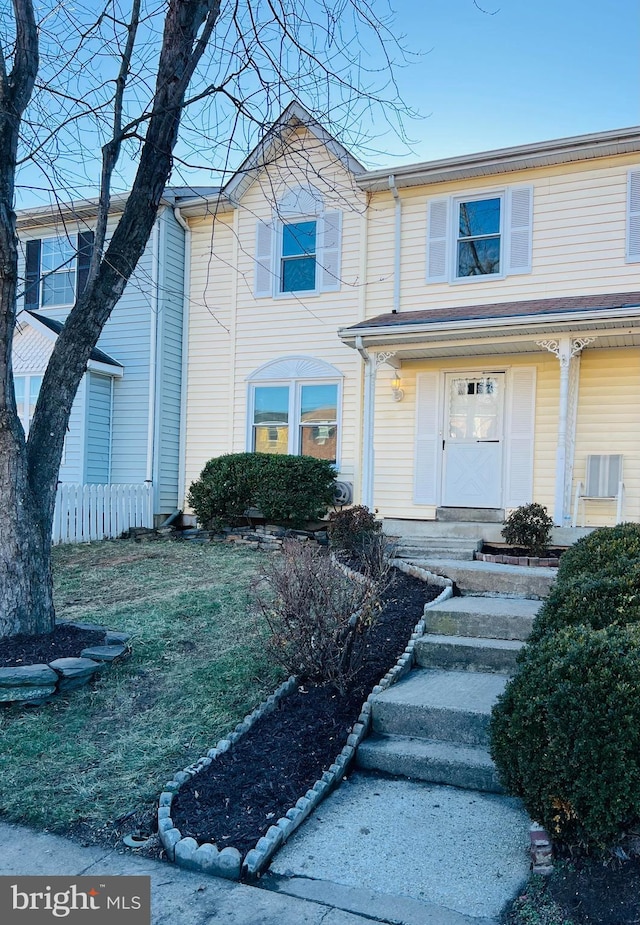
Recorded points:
(96, 512)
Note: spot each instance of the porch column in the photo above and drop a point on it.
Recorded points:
(367, 425)
(566, 350)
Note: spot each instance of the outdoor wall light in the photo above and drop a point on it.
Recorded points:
(398, 392)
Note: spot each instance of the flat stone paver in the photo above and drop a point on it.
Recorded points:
(463, 851)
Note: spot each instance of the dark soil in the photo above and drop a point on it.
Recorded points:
(593, 892)
(554, 552)
(65, 641)
(235, 800)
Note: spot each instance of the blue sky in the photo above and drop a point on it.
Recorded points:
(524, 71)
(537, 69)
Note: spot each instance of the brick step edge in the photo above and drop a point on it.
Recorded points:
(530, 561)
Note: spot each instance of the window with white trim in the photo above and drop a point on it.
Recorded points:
(299, 249)
(300, 418)
(58, 270)
(27, 389)
(298, 256)
(479, 237)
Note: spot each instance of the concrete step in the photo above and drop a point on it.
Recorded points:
(450, 706)
(491, 579)
(482, 617)
(464, 551)
(470, 515)
(467, 653)
(410, 530)
(437, 762)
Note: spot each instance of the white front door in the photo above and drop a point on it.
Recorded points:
(473, 440)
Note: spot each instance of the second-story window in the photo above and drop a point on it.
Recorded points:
(479, 237)
(298, 260)
(58, 261)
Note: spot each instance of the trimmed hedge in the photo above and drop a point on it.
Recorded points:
(608, 549)
(566, 733)
(529, 526)
(597, 601)
(289, 490)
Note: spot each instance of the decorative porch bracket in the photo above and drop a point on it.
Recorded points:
(568, 351)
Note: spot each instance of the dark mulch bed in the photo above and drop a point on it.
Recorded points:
(593, 892)
(497, 549)
(235, 800)
(64, 642)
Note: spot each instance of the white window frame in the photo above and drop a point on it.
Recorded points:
(294, 412)
(456, 202)
(279, 292)
(27, 377)
(73, 264)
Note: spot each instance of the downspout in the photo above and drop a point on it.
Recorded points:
(153, 364)
(397, 244)
(367, 424)
(182, 442)
(111, 400)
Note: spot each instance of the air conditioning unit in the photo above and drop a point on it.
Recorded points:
(343, 494)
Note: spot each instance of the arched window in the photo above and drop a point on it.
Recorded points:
(295, 407)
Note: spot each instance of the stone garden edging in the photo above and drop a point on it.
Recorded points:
(228, 862)
(529, 561)
(36, 684)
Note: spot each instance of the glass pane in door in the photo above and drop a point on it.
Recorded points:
(474, 408)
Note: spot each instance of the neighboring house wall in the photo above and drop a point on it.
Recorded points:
(233, 333)
(131, 434)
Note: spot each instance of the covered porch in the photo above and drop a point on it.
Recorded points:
(486, 407)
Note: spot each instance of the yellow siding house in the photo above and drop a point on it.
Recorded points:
(460, 335)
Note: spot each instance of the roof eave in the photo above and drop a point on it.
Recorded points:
(506, 160)
(395, 332)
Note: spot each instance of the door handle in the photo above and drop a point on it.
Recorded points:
(487, 441)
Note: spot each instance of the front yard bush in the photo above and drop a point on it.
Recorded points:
(318, 618)
(597, 601)
(529, 526)
(608, 549)
(290, 490)
(566, 734)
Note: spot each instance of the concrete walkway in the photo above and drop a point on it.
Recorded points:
(178, 897)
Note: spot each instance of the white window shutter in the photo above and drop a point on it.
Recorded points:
(427, 438)
(519, 229)
(328, 251)
(633, 216)
(264, 269)
(437, 235)
(521, 407)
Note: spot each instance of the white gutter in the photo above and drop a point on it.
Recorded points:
(368, 418)
(391, 331)
(153, 358)
(397, 248)
(182, 440)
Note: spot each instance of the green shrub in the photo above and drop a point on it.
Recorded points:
(290, 490)
(597, 601)
(565, 735)
(529, 526)
(293, 489)
(612, 549)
